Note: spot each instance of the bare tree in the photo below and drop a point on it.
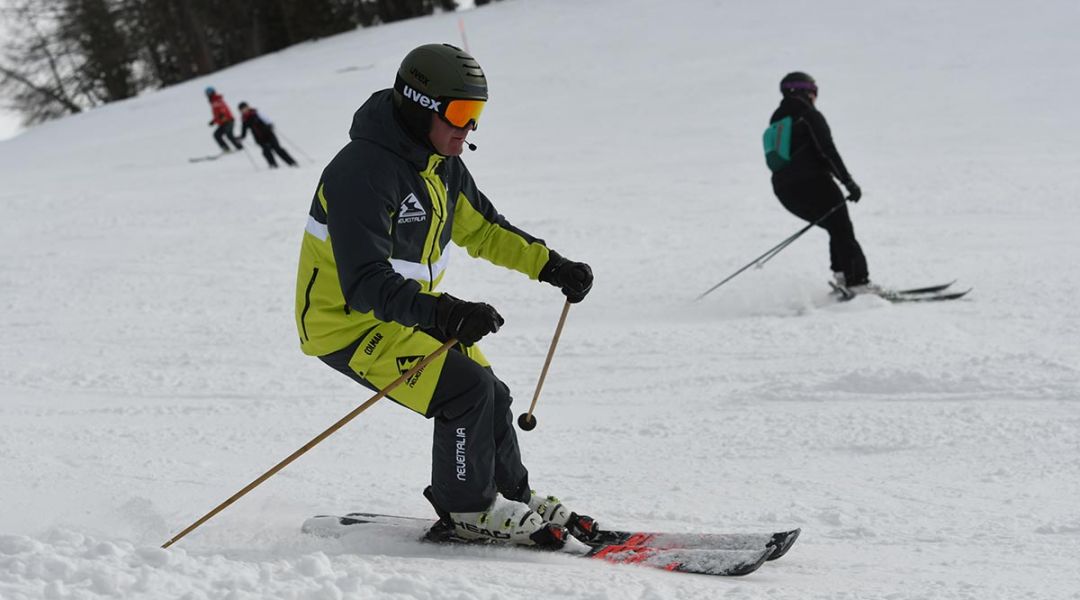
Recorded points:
(68, 55)
(37, 71)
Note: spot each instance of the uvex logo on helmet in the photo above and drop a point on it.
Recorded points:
(419, 76)
(421, 99)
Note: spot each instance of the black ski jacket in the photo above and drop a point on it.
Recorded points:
(813, 153)
(262, 131)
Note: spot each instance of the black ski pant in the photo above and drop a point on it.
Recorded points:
(223, 131)
(269, 147)
(811, 199)
(475, 449)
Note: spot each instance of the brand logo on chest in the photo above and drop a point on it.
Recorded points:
(411, 211)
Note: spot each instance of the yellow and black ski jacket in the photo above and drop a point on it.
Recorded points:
(383, 213)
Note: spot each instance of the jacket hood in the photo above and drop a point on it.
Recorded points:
(377, 122)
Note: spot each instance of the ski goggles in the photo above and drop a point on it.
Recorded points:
(808, 86)
(462, 113)
(459, 112)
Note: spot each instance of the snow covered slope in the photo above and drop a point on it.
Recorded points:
(149, 366)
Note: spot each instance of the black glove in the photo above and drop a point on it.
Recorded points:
(854, 191)
(466, 321)
(574, 278)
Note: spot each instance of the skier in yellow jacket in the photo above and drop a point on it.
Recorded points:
(366, 302)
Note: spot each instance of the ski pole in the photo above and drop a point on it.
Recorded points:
(250, 160)
(294, 145)
(769, 256)
(771, 252)
(526, 421)
(314, 441)
(461, 28)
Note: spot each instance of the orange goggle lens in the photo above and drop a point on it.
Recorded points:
(460, 113)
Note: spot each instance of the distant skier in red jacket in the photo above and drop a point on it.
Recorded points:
(223, 118)
(263, 132)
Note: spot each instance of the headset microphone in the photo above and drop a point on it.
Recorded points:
(471, 146)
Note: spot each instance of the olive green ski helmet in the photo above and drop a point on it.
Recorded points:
(429, 77)
(442, 71)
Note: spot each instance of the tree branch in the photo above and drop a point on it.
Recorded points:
(43, 91)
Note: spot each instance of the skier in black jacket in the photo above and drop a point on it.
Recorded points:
(263, 132)
(805, 186)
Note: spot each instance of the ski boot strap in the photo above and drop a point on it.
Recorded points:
(550, 537)
(583, 527)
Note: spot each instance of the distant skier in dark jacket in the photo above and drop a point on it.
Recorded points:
(223, 118)
(263, 132)
(805, 186)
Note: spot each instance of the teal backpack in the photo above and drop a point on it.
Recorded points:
(777, 141)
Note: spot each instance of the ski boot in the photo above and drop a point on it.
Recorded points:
(504, 522)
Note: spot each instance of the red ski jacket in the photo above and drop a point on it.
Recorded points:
(222, 114)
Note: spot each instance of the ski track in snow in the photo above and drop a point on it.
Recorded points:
(149, 367)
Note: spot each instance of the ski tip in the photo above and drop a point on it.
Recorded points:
(320, 526)
(745, 568)
(782, 542)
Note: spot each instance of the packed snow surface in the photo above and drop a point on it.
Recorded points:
(150, 367)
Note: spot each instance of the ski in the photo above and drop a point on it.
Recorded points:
(702, 561)
(780, 542)
(900, 297)
(209, 157)
(930, 289)
(725, 555)
(195, 159)
(933, 293)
